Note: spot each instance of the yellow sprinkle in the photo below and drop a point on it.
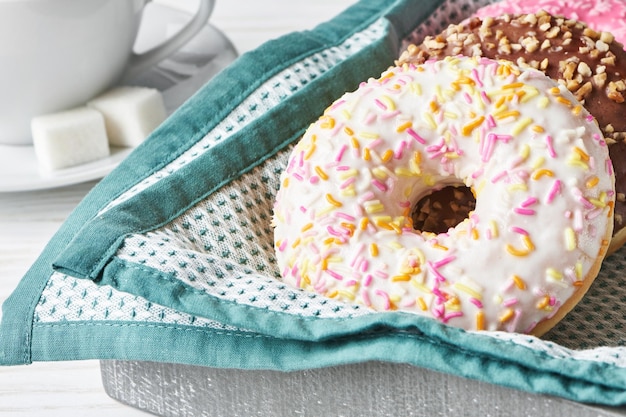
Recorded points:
(366, 154)
(538, 162)
(404, 172)
(545, 301)
(296, 243)
(438, 246)
(576, 110)
(517, 187)
(321, 173)
(598, 203)
(583, 155)
(429, 119)
(348, 131)
(475, 234)
(468, 290)
(521, 125)
(577, 163)
(373, 208)
(564, 101)
(355, 142)
(480, 320)
(524, 151)
(519, 283)
(310, 151)
(433, 106)
(506, 316)
(553, 273)
(347, 294)
(422, 303)
(541, 172)
(332, 294)
(387, 155)
(415, 88)
(500, 102)
(468, 128)
(373, 249)
(380, 173)
(570, 239)
(306, 227)
(344, 175)
(538, 129)
(493, 226)
(528, 243)
(555, 91)
(348, 192)
(388, 102)
(332, 201)
(517, 252)
(512, 85)
(403, 127)
(592, 182)
(286, 182)
(503, 114)
(530, 92)
(363, 223)
(346, 114)
(327, 123)
(369, 135)
(400, 278)
(543, 102)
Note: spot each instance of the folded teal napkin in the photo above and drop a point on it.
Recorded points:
(170, 258)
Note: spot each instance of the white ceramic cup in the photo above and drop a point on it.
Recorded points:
(58, 54)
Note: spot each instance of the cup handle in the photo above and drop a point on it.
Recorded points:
(141, 62)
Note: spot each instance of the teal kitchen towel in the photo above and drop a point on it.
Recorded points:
(170, 258)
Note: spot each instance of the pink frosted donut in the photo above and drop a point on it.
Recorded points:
(533, 157)
(600, 15)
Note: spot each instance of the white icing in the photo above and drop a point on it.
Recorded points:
(376, 151)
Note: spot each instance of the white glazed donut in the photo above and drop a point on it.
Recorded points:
(534, 158)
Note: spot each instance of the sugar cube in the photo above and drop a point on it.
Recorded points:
(69, 138)
(130, 113)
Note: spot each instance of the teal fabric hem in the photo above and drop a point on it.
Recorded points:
(243, 350)
(164, 289)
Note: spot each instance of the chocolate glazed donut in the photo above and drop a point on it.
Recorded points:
(591, 64)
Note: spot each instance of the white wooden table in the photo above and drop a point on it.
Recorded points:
(29, 219)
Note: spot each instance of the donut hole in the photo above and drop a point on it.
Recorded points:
(442, 209)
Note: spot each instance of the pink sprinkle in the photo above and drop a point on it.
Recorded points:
(529, 202)
(294, 270)
(368, 280)
(344, 216)
(350, 283)
(347, 183)
(444, 261)
(578, 220)
(434, 270)
(519, 230)
(283, 245)
(485, 98)
(382, 274)
(379, 185)
(337, 104)
(586, 203)
(467, 98)
(369, 119)
(385, 298)
(333, 231)
(415, 136)
(341, 152)
(365, 265)
(366, 298)
(510, 302)
(343, 168)
(609, 166)
(389, 115)
(476, 78)
(400, 150)
(303, 209)
(476, 302)
(334, 274)
(404, 204)
(478, 173)
(499, 176)
(556, 188)
(380, 104)
(524, 211)
(452, 315)
(491, 123)
(314, 179)
(551, 151)
(366, 197)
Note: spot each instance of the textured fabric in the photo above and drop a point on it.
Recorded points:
(170, 258)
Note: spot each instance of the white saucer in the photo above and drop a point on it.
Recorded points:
(177, 77)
